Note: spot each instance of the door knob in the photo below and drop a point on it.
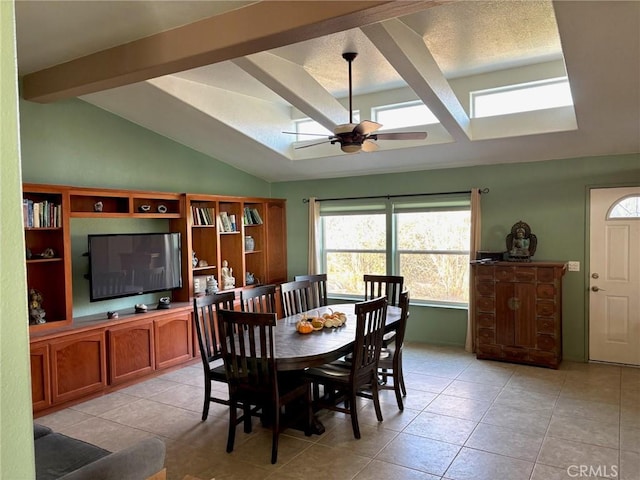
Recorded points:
(597, 289)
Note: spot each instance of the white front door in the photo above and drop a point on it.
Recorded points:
(614, 276)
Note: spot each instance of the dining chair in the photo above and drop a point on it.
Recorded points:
(341, 384)
(388, 286)
(294, 297)
(208, 333)
(251, 367)
(318, 288)
(390, 363)
(260, 299)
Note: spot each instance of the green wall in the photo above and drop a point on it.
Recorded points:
(75, 143)
(551, 196)
(16, 430)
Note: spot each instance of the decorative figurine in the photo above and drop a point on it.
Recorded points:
(521, 243)
(98, 206)
(228, 281)
(251, 279)
(194, 260)
(212, 285)
(36, 312)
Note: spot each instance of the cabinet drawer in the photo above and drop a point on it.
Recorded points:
(545, 325)
(515, 353)
(485, 304)
(505, 274)
(525, 274)
(546, 309)
(486, 335)
(485, 288)
(546, 343)
(546, 291)
(493, 351)
(486, 320)
(546, 274)
(545, 359)
(484, 273)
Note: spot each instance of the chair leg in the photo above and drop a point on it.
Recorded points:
(207, 399)
(309, 402)
(401, 377)
(246, 413)
(353, 410)
(376, 398)
(397, 388)
(276, 433)
(233, 420)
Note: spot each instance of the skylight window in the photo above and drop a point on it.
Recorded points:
(525, 97)
(403, 115)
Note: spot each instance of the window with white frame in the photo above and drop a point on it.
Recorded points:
(524, 97)
(426, 240)
(401, 115)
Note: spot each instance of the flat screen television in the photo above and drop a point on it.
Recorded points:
(126, 264)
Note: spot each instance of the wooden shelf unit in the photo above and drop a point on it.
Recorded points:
(214, 245)
(72, 359)
(50, 276)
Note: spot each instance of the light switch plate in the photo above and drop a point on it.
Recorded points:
(574, 266)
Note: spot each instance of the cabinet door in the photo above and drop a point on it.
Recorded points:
(173, 340)
(515, 314)
(40, 377)
(78, 365)
(276, 242)
(131, 352)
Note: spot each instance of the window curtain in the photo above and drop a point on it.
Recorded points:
(314, 224)
(470, 343)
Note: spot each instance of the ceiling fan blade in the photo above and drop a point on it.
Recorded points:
(400, 136)
(369, 146)
(302, 133)
(313, 144)
(366, 127)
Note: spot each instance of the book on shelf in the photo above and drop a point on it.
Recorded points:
(225, 222)
(203, 215)
(43, 214)
(252, 216)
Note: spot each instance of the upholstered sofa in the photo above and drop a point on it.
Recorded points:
(64, 458)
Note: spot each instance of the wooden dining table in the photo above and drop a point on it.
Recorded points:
(297, 351)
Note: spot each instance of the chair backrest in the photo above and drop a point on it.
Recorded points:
(207, 327)
(388, 286)
(295, 297)
(249, 353)
(371, 316)
(260, 299)
(404, 315)
(318, 288)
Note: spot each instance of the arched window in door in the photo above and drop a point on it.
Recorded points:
(627, 207)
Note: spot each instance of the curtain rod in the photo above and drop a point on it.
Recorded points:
(306, 200)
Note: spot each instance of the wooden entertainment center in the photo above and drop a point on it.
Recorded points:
(75, 358)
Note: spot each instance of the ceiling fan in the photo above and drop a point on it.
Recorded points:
(361, 137)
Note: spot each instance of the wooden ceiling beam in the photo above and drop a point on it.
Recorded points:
(237, 33)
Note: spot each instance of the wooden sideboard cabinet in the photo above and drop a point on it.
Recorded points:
(518, 312)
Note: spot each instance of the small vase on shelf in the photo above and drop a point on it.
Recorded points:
(249, 243)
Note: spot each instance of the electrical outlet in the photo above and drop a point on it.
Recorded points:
(574, 266)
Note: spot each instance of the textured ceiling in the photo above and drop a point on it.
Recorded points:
(236, 110)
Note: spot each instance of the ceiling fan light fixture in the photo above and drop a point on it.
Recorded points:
(351, 147)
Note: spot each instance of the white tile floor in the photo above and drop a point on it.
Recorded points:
(463, 419)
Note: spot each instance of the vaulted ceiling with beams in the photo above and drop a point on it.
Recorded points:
(227, 78)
